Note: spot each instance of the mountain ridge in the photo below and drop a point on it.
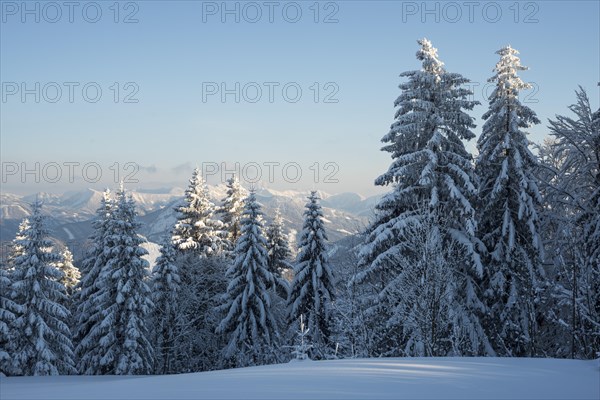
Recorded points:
(71, 213)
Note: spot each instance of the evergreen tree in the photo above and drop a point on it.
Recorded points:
(165, 296)
(196, 229)
(509, 223)
(43, 339)
(278, 261)
(15, 249)
(124, 296)
(231, 211)
(71, 274)
(203, 283)
(88, 314)
(312, 290)
(300, 350)
(431, 173)
(249, 323)
(429, 295)
(8, 309)
(279, 254)
(200, 257)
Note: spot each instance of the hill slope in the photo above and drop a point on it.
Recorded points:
(398, 378)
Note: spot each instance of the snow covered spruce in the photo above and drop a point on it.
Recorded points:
(118, 339)
(312, 289)
(249, 323)
(509, 202)
(433, 200)
(39, 339)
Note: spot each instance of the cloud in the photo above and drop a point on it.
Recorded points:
(151, 169)
(186, 167)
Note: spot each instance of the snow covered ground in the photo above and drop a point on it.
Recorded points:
(398, 378)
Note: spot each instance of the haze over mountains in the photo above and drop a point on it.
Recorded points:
(71, 213)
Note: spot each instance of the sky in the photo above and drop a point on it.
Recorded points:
(298, 94)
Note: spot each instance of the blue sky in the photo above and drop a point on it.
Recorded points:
(176, 48)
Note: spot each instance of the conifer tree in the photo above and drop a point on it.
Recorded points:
(249, 324)
(8, 310)
(508, 212)
(431, 173)
(196, 229)
(279, 254)
(71, 274)
(15, 248)
(88, 313)
(201, 251)
(312, 289)
(165, 296)
(231, 210)
(42, 337)
(124, 296)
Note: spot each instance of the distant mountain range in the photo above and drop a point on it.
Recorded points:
(70, 214)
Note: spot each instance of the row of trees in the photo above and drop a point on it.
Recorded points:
(217, 296)
(499, 256)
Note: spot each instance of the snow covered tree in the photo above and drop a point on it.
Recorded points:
(300, 350)
(278, 261)
(312, 289)
(165, 296)
(249, 323)
(429, 295)
(201, 248)
(509, 200)
(591, 232)
(572, 220)
(203, 283)
(71, 274)
(88, 313)
(8, 309)
(279, 254)
(124, 296)
(42, 337)
(231, 210)
(354, 332)
(196, 229)
(431, 172)
(15, 249)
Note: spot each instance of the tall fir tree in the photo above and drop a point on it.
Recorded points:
(249, 323)
(42, 337)
(165, 296)
(88, 313)
(231, 211)
(201, 250)
(508, 212)
(196, 228)
(431, 173)
(312, 290)
(124, 296)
